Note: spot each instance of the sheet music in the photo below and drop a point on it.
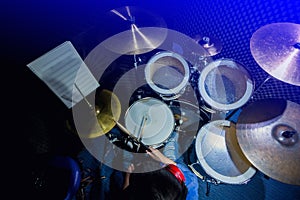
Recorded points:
(64, 72)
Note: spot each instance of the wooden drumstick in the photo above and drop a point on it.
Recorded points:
(131, 135)
(123, 128)
(141, 133)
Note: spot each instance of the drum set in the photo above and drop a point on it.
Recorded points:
(180, 97)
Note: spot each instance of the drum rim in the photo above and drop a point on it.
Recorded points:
(240, 179)
(219, 106)
(171, 91)
(171, 119)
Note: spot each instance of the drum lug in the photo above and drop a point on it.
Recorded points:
(213, 181)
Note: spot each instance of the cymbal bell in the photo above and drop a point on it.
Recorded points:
(268, 133)
(211, 44)
(276, 49)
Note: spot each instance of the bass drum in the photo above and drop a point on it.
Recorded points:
(220, 156)
(151, 120)
(225, 84)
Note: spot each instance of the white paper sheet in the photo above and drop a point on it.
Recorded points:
(65, 73)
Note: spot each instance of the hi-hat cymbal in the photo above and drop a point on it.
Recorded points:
(268, 133)
(108, 110)
(133, 37)
(276, 49)
(211, 44)
(91, 123)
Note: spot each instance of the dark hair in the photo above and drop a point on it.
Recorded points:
(155, 185)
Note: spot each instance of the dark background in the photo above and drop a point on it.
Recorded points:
(31, 28)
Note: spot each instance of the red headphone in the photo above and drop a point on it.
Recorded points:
(176, 172)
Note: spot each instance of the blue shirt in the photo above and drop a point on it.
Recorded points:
(191, 182)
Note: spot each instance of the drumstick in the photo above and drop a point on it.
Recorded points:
(131, 135)
(123, 128)
(142, 128)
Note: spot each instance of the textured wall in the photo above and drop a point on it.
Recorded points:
(234, 22)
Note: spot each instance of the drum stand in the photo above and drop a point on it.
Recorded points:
(204, 60)
(204, 179)
(136, 60)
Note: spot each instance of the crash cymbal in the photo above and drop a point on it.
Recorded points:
(276, 49)
(211, 44)
(128, 15)
(133, 37)
(135, 41)
(268, 133)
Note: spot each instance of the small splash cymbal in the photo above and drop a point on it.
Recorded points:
(268, 133)
(276, 49)
(211, 44)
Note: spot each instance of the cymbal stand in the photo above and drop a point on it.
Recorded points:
(85, 99)
(136, 60)
(268, 78)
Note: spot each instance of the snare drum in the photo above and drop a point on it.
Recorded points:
(151, 120)
(167, 73)
(220, 156)
(225, 85)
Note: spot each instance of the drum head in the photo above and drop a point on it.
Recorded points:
(167, 73)
(159, 120)
(225, 84)
(222, 159)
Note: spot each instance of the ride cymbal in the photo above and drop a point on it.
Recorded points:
(268, 133)
(276, 49)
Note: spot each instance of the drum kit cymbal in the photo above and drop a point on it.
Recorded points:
(267, 132)
(211, 44)
(141, 36)
(276, 49)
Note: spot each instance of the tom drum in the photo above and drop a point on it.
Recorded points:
(225, 84)
(220, 156)
(167, 73)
